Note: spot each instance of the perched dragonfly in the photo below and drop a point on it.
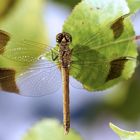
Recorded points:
(64, 58)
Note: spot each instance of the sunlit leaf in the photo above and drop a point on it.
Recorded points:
(103, 43)
(49, 130)
(125, 135)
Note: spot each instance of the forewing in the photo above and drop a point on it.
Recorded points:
(45, 79)
(41, 79)
(96, 70)
(24, 69)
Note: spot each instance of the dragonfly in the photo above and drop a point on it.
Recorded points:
(53, 64)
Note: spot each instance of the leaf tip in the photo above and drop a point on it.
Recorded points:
(116, 129)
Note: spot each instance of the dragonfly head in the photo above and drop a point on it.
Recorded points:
(64, 38)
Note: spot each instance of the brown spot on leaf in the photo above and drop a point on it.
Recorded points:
(118, 26)
(7, 80)
(4, 38)
(116, 68)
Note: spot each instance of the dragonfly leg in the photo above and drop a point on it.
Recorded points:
(54, 57)
(71, 51)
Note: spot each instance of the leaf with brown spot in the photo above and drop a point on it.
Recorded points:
(106, 35)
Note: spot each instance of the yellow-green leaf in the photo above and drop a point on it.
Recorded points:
(125, 135)
(49, 130)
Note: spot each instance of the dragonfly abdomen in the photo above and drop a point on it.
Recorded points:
(64, 40)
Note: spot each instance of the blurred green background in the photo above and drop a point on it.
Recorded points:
(40, 21)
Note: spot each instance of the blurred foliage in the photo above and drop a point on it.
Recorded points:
(25, 21)
(70, 3)
(6, 6)
(49, 130)
(125, 135)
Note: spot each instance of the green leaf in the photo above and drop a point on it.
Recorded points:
(25, 22)
(125, 135)
(102, 36)
(49, 130)
(134, 5)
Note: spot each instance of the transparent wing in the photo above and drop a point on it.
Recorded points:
(41, 79)
(104, 55)
(24, 59)
(113, 32)
(92, 64)
(117, 44)
(45, 79)
(26, 52)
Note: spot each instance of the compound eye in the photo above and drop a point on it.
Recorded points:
(68, 37)
(59, 37)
